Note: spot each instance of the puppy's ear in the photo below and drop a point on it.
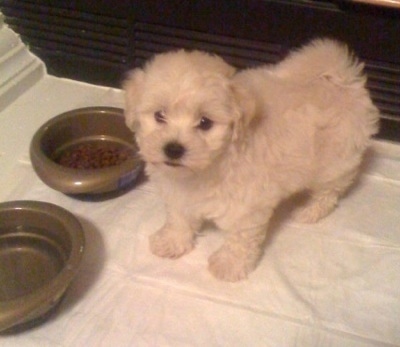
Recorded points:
(133, 87)
(245, 110)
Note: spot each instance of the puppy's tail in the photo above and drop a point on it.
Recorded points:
(323, 58)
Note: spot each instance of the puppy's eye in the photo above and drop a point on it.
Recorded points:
(205, 124)
(159, 116)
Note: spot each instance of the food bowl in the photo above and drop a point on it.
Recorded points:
(41, 247)
(86, 151)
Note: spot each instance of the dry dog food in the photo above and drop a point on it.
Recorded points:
(93, 155)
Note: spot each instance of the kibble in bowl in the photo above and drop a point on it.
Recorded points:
(86, 151)
(91, 155)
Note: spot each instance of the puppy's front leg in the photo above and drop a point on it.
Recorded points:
(175, 238)
(239, 255)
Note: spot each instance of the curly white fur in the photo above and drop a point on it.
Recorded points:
(244, 141)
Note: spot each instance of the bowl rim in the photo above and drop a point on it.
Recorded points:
(76, 181)
(24, 308)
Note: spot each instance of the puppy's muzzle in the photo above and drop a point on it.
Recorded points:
(174, 150)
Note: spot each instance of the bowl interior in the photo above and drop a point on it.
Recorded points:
(41, 247)
(88, 136)
(30, 258)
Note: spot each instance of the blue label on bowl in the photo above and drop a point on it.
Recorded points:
(126, 179)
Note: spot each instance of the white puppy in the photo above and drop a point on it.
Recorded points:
(229, 146)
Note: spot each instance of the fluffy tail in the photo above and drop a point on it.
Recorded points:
(323, 58)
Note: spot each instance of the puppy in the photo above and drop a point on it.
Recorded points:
(229, 146)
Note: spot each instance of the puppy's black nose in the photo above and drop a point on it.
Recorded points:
(174, 150)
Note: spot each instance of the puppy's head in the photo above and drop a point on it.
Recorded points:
(184, 110)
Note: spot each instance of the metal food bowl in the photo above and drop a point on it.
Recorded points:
(41, 247)
(85, 127)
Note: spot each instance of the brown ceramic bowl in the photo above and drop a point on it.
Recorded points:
(41, 247)
(92, 131)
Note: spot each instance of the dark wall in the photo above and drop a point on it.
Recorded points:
(99, 41)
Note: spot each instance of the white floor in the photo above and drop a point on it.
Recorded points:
(335, 283)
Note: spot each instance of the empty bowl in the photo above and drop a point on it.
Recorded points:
(86, 151)
(41, 247)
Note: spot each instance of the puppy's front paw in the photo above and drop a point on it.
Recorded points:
(167, 243)
(232, 266)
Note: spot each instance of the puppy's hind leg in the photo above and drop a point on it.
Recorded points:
(323, 199)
